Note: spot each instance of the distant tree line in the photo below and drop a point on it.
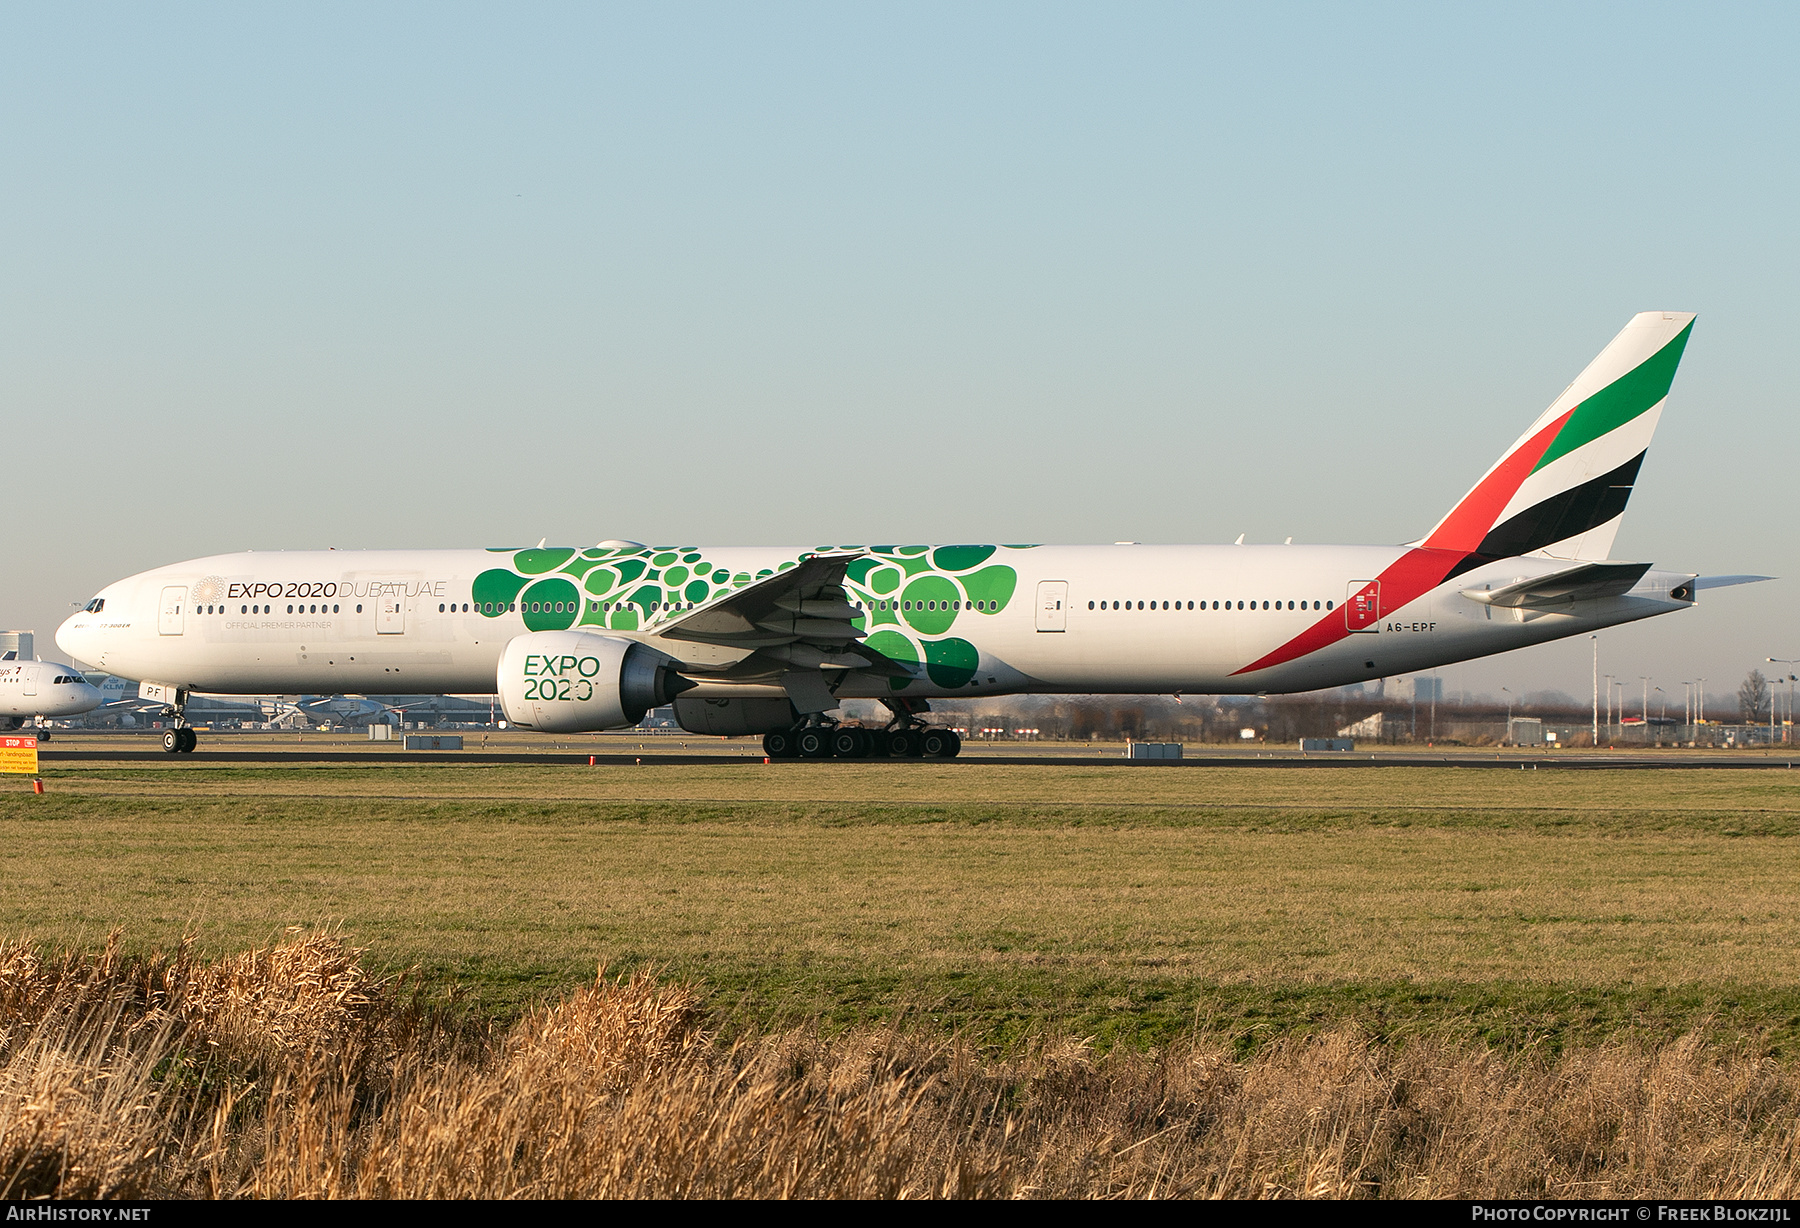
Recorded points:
(1287, 718)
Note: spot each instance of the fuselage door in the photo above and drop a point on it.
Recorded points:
(168, 615)
(28, 676)
(1362, 605)
(1052, 605)
(390, 615)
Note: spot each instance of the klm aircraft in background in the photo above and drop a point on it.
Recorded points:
(767, 640)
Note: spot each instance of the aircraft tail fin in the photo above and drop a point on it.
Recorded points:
(1560, 490)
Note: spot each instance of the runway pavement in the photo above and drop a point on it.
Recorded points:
(76, 747)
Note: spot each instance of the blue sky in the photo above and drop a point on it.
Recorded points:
(437, 275)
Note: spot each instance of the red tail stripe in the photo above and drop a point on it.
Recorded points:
(1419, 571)
(1470, 520)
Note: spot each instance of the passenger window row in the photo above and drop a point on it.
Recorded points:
(595, 607)
(292, 609)
(1241, 605)
(551, 607)
(982, 607)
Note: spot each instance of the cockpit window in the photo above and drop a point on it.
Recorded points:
(96, 605)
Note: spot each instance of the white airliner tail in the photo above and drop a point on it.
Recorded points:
(1560, 490)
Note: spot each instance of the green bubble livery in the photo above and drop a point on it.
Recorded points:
(912, 597)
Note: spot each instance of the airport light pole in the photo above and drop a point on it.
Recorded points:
(1609, 684)
(1787, 729)
(1645, 678)
(1596, 733)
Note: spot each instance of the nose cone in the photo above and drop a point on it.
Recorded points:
(78, 638)
(89, 697)
(68, 638)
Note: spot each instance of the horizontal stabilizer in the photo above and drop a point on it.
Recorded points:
(1726, 581)
(1585, 583)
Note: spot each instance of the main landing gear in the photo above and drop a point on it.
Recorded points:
(910, 741)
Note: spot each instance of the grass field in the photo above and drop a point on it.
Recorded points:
(1518, 908)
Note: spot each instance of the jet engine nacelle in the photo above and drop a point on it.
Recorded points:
(734, 717)
(578, 682)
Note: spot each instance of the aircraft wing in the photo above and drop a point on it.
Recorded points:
(798, 619)
(1584, 583)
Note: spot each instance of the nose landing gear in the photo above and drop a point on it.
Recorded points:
(181, 740)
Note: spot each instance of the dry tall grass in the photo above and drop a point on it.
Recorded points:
(291, 1072)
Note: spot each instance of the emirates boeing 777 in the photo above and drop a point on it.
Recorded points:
(769, 640)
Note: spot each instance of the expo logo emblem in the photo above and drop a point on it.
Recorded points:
(559, 678)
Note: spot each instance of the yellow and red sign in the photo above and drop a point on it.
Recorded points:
(18, 755)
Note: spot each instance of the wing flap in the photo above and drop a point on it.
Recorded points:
(800, 619)
(804, 603)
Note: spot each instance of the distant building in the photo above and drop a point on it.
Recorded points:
(1399, 690)
(1525, 731)
(1418, 688)
(20, 642)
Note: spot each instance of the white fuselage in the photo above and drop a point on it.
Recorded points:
(44, 688)
(329, 622)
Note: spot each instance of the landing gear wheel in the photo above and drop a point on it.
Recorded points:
(850, 743)
(938, 744)
(779, 744)
(189, 739)
(173, 742)
(903, 743)
(814, 743)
